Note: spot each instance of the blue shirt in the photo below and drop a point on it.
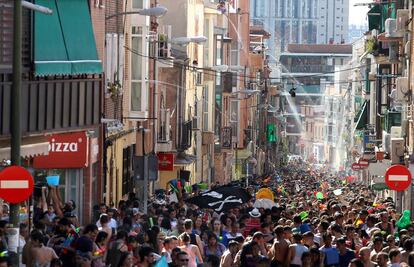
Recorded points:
(331, 256)
(345, 259)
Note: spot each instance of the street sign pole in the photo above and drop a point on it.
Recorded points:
(16, 135)
(15, 130)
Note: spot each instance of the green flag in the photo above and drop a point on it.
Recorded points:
(271, 132)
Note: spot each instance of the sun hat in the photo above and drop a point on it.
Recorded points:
(255, 213)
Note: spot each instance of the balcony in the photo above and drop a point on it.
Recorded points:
(53, 105)
(308, 69)
(392, 118)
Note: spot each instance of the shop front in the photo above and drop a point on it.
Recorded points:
(73, 158)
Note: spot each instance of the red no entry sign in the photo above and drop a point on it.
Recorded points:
(16, 184)
(398, 177)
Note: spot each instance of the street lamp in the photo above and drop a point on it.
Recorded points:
(37, 8)
(187, 40)
(224, 68)
(247, 92)
(157, 11)
(220, 68)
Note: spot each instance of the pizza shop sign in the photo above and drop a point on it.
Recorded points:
(63, 146)
(65, 151)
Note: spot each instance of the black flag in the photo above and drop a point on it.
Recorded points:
(221, 199)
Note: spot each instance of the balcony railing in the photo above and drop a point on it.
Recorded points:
(54, 104)
(308, 69)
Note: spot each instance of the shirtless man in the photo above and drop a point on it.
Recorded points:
(280, 249)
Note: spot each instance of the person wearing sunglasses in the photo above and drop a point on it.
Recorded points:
(182, 259)
(147, 257)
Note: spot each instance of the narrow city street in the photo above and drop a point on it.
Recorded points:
(206, 133)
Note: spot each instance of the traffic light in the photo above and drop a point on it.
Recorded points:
(271, 132)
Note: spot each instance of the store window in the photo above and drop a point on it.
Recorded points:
(70, 184)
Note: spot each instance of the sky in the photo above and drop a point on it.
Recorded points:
(358, 14)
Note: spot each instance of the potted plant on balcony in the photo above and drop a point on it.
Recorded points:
(371, 46)
(114, 89)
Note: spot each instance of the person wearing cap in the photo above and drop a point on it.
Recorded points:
(345, 254)
(253, 222)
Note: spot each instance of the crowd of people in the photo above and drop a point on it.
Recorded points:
(351, 227)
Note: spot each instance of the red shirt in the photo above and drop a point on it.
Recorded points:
(251, 223)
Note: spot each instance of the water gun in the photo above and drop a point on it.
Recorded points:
(99, 252)
(68, 240)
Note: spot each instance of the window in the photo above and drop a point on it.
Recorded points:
(234, 53)
(137, 4)
(234, 110)
(219, 50)
(277, 9)
(205, 108)
(259, 8)
(74, 183)
(207, 43)
(138, 68)
(234, 117)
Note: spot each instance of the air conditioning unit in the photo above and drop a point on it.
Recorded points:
(164, 135)
(393, 53)
(386, 141)
(199, 78)
(397, 150)
(402, 88)
(403, 15)
(396, 132)
(196, 123)
(391, 28)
